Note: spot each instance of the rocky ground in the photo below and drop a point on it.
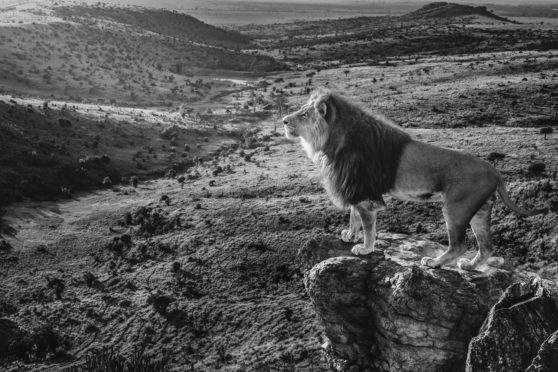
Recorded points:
(208, 275)
(201, 270)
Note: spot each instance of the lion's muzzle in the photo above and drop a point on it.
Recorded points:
(290, 132)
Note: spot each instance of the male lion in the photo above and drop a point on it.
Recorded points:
(363, 156)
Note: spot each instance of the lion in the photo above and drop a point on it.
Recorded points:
(364, 156)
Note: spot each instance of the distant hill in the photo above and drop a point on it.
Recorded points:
(163, 22)
(449, 10)
(107, 54)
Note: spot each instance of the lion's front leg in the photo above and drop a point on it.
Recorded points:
(367, 212)
(353, 233)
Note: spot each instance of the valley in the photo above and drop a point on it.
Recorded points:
(191, 256)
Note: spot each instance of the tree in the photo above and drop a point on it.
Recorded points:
(545, 131)
(253, 99)
(280, 103)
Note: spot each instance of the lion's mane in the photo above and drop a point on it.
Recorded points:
(361, 154)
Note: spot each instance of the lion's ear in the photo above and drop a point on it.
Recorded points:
(323, 106)
(322, 109)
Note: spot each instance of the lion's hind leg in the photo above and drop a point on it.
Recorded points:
(353, 233)
(480, 224)
(457, 218)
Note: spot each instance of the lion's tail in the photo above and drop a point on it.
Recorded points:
(511, 205)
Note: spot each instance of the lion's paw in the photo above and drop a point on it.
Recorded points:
(348, 236)
(465, 264)
(428, 261)
(360, 250)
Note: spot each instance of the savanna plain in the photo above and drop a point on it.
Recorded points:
(153, 212)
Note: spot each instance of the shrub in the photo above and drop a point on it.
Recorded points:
(170, 132)
(66, 192)
(495, 157)
(35, 345)
(160, 302)
(181, 180)
(217, 170)
(91, 280)
(536, 168)
(64, 123)
(171, 173)
(118, 244)
(5, 246)
(166, 199)
(57, 285)
(546, 130)
(152, 222)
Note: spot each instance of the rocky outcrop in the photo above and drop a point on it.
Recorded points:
(514, 330)
(387, 313)
(547, 357)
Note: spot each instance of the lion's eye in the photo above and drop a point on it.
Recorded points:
(305, 114)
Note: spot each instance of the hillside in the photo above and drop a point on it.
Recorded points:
(52, 150)
(116, 54)
(448, 10)
(163, 22)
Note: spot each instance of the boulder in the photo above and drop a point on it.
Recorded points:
(385, 312)
(514, 330)
(547, 357)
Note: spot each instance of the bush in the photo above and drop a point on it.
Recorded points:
(91, 280)
(495, 157)
(170, 132)
(171, 173)
(5, 246)
(181, 180)
(66, 192)
(153, 222)
(160, 302)
(64, 123)
(29, 346)
(57, 285)
(166, 199)
(536, 168)
(546, 130)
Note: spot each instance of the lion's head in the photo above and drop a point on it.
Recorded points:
(310, 123)
(358, 151)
